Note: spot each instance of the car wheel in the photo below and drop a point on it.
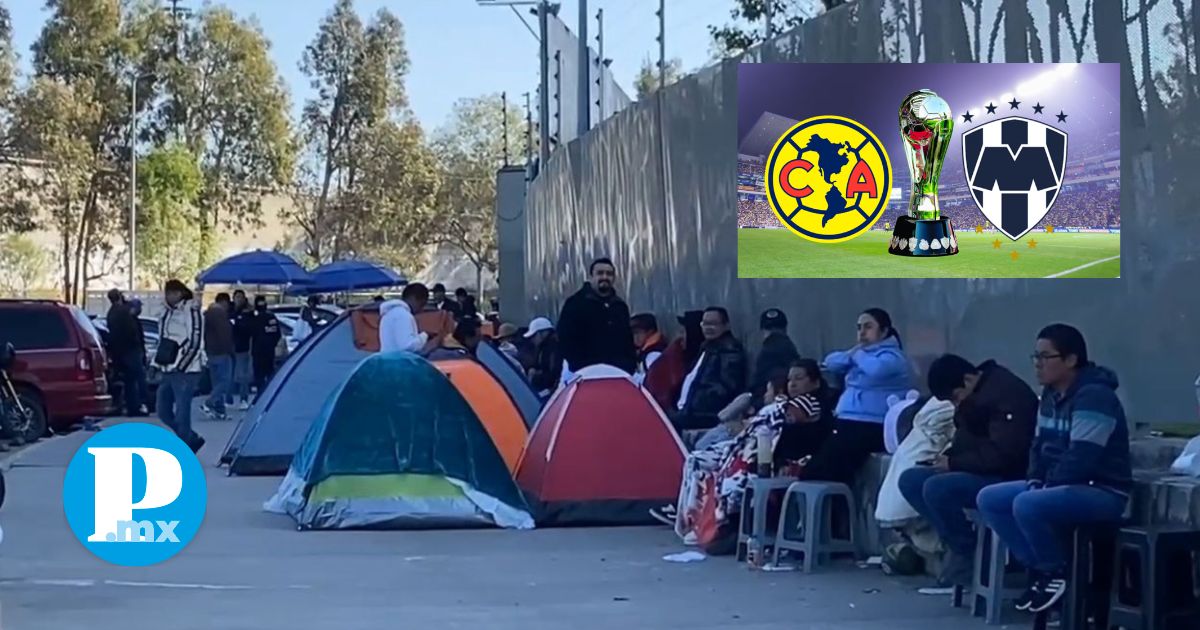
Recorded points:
(35, 415)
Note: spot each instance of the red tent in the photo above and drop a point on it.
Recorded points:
(601, 453)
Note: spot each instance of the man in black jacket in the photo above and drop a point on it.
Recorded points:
(777, 353)
(125, 342)
(718, 377)
(995, 415)
(593, 327)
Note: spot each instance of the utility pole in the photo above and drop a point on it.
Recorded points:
(662, 44)
(528, 130)
(558, 96)
(133, 183)
(585, 65)
(600, 64)
(504, 122)
(544, 93)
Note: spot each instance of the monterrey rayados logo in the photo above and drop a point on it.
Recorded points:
(1014, 168)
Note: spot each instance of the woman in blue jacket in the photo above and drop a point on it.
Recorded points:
(873, 369)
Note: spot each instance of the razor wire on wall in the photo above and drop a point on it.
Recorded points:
(654, 189)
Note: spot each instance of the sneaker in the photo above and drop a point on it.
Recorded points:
(1025, 600)
(664, 515)
(690, 540)
(1049, 592)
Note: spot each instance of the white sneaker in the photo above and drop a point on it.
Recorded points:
(664, 515)
(690, 539)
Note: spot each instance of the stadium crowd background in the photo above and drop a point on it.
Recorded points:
(1090, 199)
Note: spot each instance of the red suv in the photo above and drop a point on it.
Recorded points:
(60, 362)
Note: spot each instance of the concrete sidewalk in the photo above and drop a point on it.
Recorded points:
(251, 570)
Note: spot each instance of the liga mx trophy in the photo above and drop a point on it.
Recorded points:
(926, 126)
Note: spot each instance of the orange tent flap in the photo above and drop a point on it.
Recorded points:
(365, 323)
(491, 403)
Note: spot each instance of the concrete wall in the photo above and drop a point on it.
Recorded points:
(654, 188)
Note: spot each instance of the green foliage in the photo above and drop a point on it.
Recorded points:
(226, 102)
(23, 265)
(170, 184)
(647, 81)
(8, 59)
(470, 149)
(749, 23)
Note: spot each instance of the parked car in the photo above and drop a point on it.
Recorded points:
(59, 371)
(326, 313)
(116, 387)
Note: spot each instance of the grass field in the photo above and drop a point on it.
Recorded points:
(781, 254)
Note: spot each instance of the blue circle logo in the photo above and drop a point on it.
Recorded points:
(135, 494)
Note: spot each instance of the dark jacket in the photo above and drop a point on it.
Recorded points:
(777, 353)
(124, 331)
(218, 332)
(265, 336)
(1082, 436)
(594, 329)
(548, 363)
(243, 329)
(994, 426)
(721, 378)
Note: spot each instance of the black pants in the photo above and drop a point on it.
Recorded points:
(845, 451)
(264, 369)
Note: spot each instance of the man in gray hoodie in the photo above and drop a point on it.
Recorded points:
(218, 346)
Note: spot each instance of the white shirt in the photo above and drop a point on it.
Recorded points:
(687, 382)
(398, 330)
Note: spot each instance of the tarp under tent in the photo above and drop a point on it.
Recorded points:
(396, 447)
(491, 403)
(602, 453)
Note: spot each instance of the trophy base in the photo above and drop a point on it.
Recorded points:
(914, 237)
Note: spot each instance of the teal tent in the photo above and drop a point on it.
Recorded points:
(395, 446)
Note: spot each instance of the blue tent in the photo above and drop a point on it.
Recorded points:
(256, 267)
(349, 275)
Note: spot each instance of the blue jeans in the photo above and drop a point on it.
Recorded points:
(243, 375)
(220, 368)
(941, 497)
(1035, 524)
(133, 381)
(175, 394)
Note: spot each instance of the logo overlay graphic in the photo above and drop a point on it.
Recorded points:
(1014, 168)
(828, 179)
(134, 494)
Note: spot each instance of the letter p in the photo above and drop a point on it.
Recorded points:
(114, 485)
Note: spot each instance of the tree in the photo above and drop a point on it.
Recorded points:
(360, 110)
(647, 79)
(8, 70)
(470, 148)
(749, 22)
(83, 62)
(227, 104)
(170, 184)
(23, 265)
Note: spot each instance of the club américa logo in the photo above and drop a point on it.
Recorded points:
(134, 494)
(828, 179)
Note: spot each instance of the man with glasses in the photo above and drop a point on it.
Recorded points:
(1079, 470)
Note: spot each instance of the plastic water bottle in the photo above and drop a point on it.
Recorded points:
(765, 452)
(754, 553)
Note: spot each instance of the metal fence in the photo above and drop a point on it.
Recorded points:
(653, 187)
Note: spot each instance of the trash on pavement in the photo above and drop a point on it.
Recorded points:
(685, 556)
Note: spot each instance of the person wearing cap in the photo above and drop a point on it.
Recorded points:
(438, 301)
(777, 353)
(648, 341)
(547, 366)
(995, 415)
(180, 355)
(504, 343)
(594, 324)
(128, 350)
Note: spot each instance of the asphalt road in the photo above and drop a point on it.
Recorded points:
(251, 570)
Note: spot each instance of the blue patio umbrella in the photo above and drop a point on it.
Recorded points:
(256, 267)
(350, 275)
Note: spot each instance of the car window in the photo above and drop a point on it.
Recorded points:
(86, 323)
(34, 328)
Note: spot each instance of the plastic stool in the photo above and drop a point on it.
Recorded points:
(752, 521)
(1164, 565)
(988, 591)
(817, 543)
(1085, 602)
